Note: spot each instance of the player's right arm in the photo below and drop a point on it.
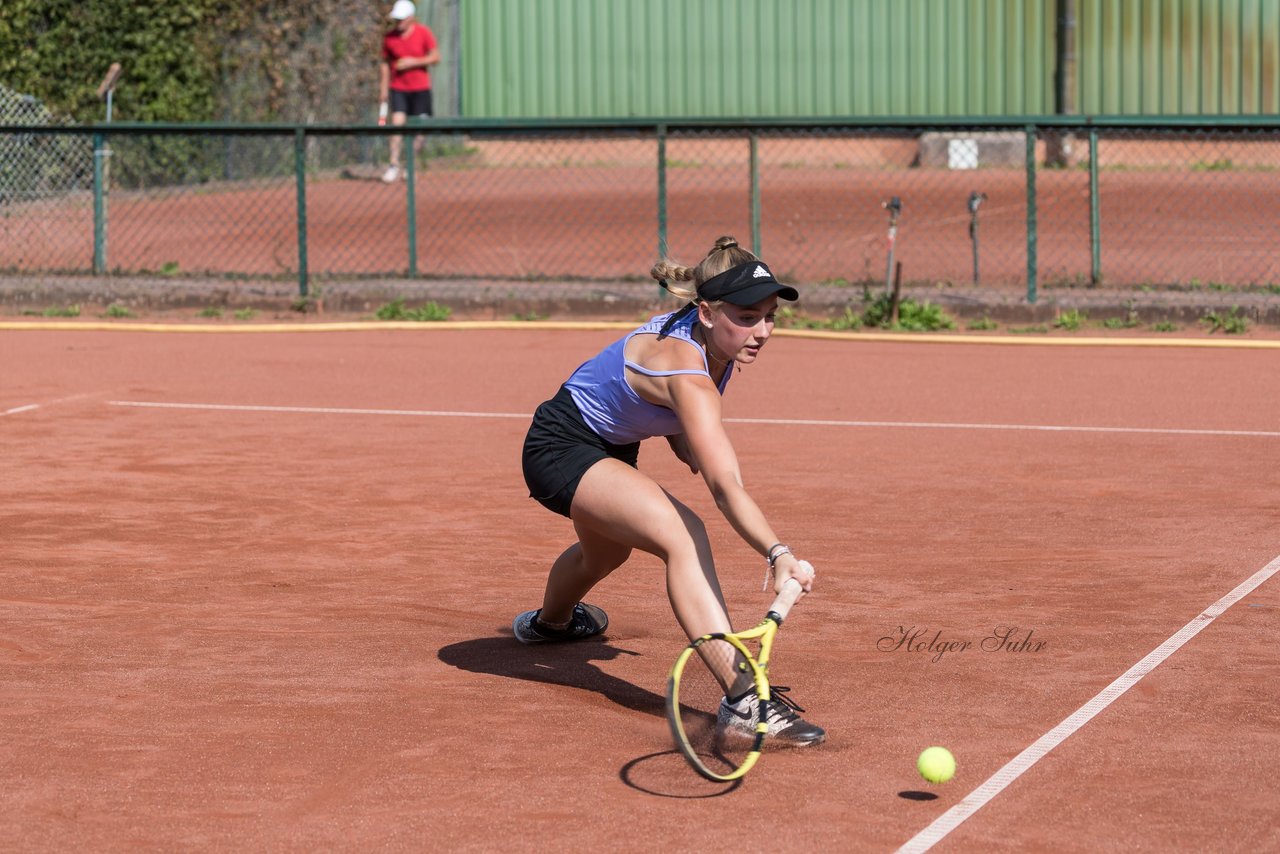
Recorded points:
(696, 402)
(384, 81)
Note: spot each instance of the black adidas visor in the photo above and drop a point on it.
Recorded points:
(746, 284)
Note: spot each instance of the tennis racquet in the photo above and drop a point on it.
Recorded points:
(722, 741)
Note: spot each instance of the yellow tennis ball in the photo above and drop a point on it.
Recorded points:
(936, 764)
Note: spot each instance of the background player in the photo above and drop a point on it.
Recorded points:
(408, 51)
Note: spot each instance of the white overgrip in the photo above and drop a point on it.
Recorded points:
(791, 593)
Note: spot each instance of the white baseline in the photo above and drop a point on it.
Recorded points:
(785, 422)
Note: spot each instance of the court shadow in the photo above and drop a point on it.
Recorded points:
(918, 796)
(568, 664)
(666, 775)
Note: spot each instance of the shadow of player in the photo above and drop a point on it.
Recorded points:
(568, 664)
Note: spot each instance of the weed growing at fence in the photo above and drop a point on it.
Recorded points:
(246, 313)
(986, 324)
(1164, 326)
(117, 310)
(431, 312)
(789, 319)
(211, 311)
(912, 316)
(1038, 329)
(65, 311)
(1071, 320)
(1229, 323)
(1120, 323)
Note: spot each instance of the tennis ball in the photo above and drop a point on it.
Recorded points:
(936, 764)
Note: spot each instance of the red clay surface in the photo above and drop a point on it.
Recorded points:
(248, 630)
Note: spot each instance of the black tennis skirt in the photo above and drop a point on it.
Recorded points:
(559, 449)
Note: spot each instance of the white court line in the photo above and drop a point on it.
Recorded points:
(321, 410)
(17, 409)
(998, 782)
(789, 422)
(1042, 427)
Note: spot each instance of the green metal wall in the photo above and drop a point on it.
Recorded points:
(581, 58)
(760, 58)
(1170, 57)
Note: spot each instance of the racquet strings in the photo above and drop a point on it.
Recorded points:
(721, 740)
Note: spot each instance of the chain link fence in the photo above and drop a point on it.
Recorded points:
(1158, 206)
(46, 182)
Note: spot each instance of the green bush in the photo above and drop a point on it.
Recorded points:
(59, 51)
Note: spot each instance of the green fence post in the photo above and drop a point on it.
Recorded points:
(99, 207)
(662, 195)
(755, 194)
(411, 204)
(1095, 222)
(1031, 213)
(300, 178)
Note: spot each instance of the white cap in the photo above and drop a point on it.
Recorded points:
(403, 9)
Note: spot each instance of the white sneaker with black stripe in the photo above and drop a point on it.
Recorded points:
(786, 727)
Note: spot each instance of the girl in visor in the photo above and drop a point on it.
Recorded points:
(663, 379)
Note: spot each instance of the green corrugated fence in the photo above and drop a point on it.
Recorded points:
(586, 58)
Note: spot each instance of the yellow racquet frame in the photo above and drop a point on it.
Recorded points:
(765, 631)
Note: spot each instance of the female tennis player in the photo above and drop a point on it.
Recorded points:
(663, 379)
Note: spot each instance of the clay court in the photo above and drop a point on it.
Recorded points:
(259, 589)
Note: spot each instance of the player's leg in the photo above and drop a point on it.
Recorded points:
(621, 504)
(398, 118)
(625, 506)
(421, 109)
(579, 568)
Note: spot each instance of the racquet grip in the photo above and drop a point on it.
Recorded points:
(791, 593)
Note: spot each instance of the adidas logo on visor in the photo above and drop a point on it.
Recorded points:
(760, 273)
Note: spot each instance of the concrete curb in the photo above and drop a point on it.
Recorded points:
(610, 300)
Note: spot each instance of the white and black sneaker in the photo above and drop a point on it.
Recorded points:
(786, 727)
(587, 621)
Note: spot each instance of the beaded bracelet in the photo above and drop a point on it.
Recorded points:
(776, 551)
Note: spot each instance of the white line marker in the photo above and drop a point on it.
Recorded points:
(788, 422)
(17, 409)
(320, 410)
(1175, 431)
(998, 782)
